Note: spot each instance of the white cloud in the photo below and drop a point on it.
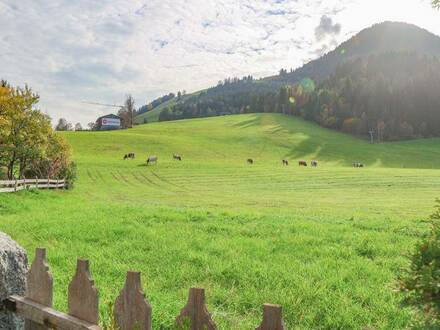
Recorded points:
(71, 51)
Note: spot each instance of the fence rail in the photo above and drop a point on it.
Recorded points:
(23, 184)
(131, 309)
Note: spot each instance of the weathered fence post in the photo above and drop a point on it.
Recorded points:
(13, 269)
(83, 296)
(195, 312)
(272, 318)
(15, 185)
(132, 310)
(24, 183)
(39, 285)
(36, 182)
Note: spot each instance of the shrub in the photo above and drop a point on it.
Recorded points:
(56, 162)
(69, 174)
(422, 280)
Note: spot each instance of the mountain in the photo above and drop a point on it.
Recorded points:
(380, 38)
(382, 80)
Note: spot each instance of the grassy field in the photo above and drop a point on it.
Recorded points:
(326, 243)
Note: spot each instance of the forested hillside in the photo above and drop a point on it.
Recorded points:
(382, 81)
(394, 95)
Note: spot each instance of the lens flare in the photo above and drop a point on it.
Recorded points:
(307, 85)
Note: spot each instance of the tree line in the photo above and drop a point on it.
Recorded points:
(29, 147)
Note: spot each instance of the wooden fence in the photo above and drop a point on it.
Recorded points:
(131, 309)
(22, 184)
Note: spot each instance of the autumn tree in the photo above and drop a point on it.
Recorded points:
(22, 129)
(27, 138)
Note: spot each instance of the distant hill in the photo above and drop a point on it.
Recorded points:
(367, 61)
(152, 115)
(380, 38)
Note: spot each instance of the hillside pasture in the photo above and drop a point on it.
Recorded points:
(327, 243)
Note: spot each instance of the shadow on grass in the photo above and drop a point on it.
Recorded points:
(303, 140)
(255, 121)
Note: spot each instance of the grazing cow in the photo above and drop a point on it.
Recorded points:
(314, 163)
(250, 161)
(285, 162)
(125, 156)
(151, 159)
(357, 164)
(302, 163)
(177, 157)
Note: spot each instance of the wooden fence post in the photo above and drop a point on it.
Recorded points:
(39, 285)
(24, 183)
(195, 312)
(132, 310)
(83, 296)
(36, 182)
(272, 318)
(15, 185)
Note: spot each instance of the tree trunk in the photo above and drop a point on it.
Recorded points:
(10, 170)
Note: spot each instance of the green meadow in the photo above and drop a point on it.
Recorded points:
(326, 243)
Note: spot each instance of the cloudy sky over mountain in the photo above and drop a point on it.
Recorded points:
(84, 50)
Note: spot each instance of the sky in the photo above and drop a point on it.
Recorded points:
(72, 52)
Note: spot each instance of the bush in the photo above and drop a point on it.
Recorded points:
(56, 162)
(422, 280)
(69, 174)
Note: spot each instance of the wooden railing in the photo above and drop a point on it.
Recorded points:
(22, 184)
(131, 309)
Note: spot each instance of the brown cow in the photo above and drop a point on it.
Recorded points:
(302, 163)
(250, 161)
